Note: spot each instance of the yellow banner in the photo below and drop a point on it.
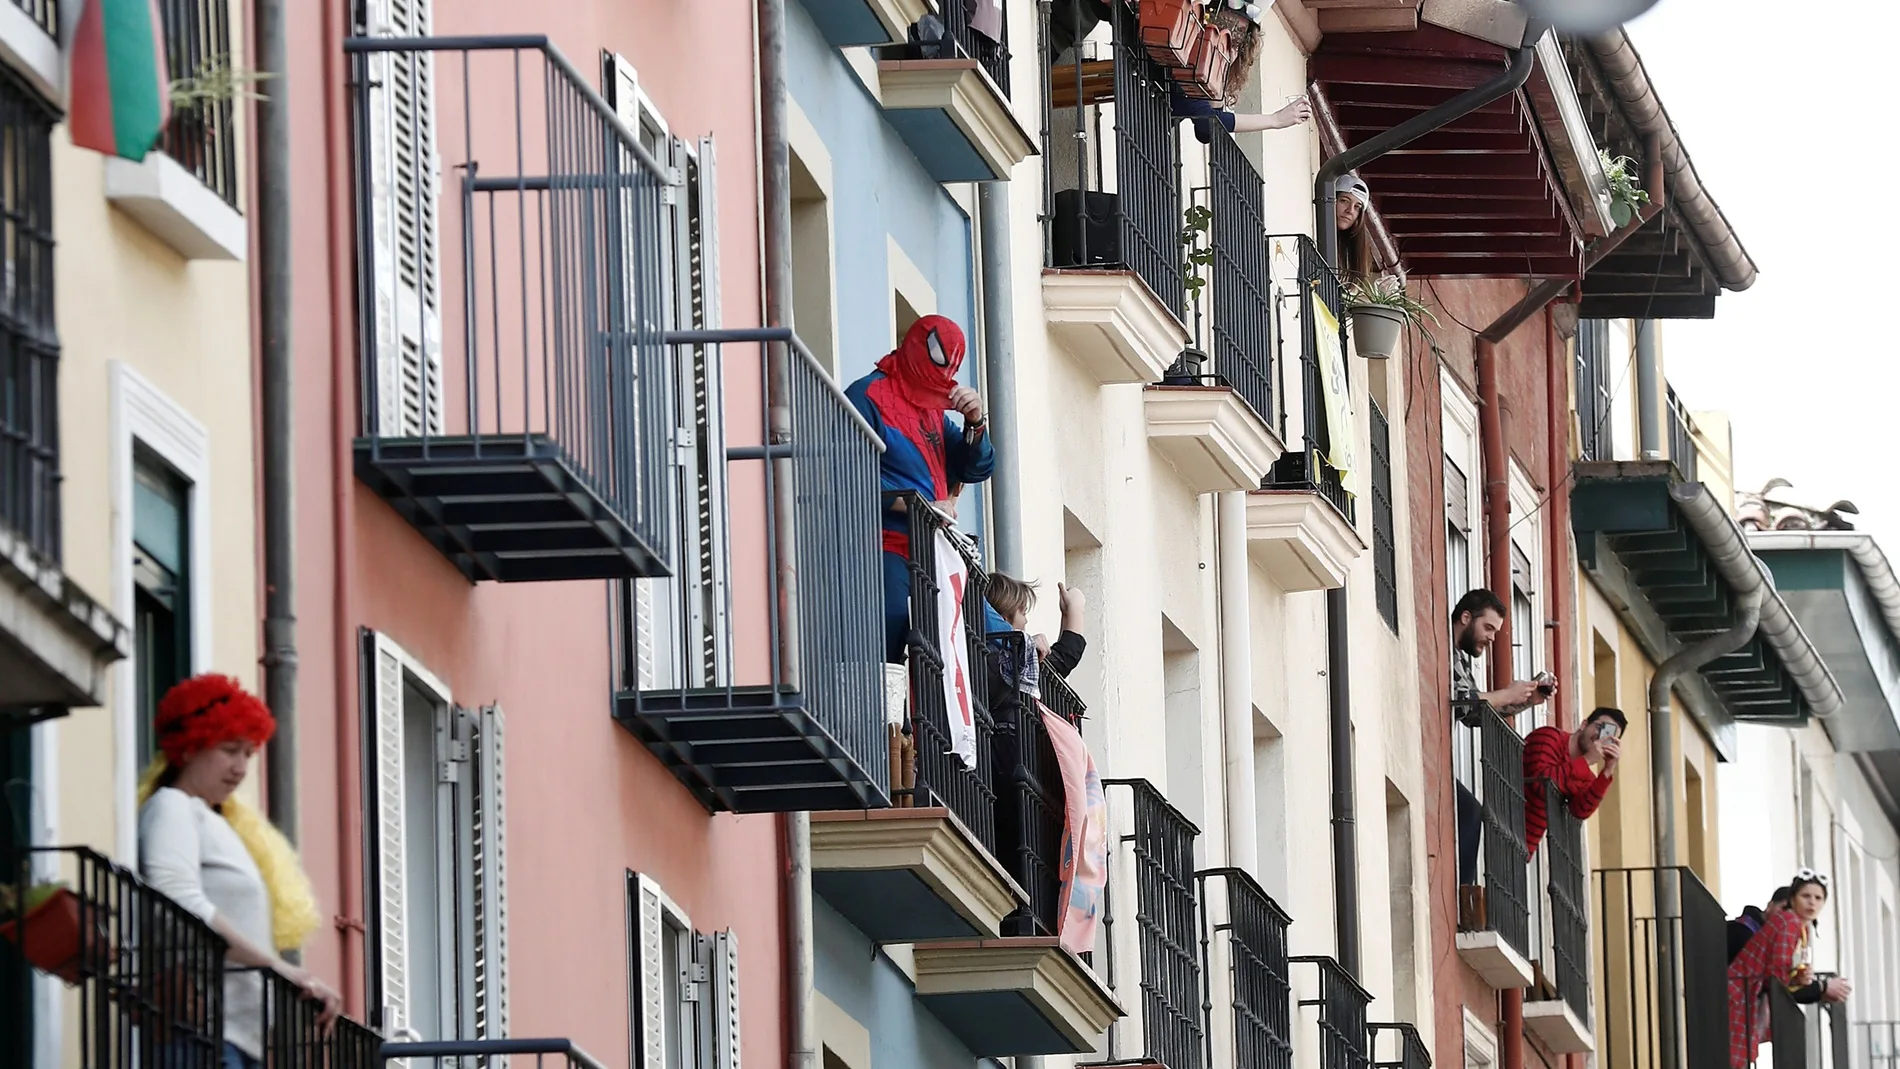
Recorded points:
(1331, 355)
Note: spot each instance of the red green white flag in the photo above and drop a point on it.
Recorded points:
(120, 93)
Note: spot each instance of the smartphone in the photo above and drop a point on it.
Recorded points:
(1607, 730)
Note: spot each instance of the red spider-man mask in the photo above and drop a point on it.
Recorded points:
(924, 366)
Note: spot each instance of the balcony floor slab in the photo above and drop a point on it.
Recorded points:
(903, 875)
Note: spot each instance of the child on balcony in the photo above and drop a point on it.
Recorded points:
(1012, 599)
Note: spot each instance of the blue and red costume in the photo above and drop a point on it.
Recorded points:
(907, 401)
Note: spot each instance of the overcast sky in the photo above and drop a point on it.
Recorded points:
(1788, 111)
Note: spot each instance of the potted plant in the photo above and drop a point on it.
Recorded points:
(214, 81)
(45, 926)
(1205, 76)
(1169, 29)
(1196, 254)
(1239, 23)
(1626, 197)
(1381, 309)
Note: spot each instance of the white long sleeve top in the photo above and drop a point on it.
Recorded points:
(188, 853)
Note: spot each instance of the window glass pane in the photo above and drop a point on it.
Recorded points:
(158, 514)
(161, 625)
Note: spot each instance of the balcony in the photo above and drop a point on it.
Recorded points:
(1494, 916)
(1345, 1038)
(1558, 1012)
(1876, 1045)
(516, 396)
(950, 103)
(1114, 290)
(1151, 868)
(1013, 996)
(1398, 1046)
(1244, 947)
(1210, 436)
(803, 727)
(928, 869)
(1681, 436)
(29, 43)
(293, 1038)
(484, 1053)
(1030, 799)
(1811, 1035)
(855, 23)
(1662, 993)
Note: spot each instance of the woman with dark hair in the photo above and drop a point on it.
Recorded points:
(1780, 953)
(1357, 263)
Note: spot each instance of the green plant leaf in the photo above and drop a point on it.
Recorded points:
(1620, 213)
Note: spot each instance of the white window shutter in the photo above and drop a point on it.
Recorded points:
(725, 982)
(705, 407)
(489, 838)
(406, 225)
(391, 867)
(650, 948)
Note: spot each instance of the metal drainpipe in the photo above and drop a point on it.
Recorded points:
(776, 251)
(999, 376)
(1345, 847)
(272, 219)
(1649, 392)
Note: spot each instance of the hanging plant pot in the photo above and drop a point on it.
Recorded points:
(1205, 78)
(1376, 329)
(1169, 29)
(49, 936)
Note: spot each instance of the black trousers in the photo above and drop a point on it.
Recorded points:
(1470, 836)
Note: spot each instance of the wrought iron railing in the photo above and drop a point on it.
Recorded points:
(943, 778)
(1345, 1038)
(1306, 467)
(1107, 117)
(540, 337)
(1662, 995)
(1398, 1046)
(1242, 277)
(44, 13)
(1030, 797)
(1681, 436)
(29, 342)
(147, 977)
(1560, 863)
(1876, 1045)
(202, 134)
(1246, 930)
(1385, 556)
(991, 53)
(296, 1036)
(1157, 857)
(490, 1054)
(1593, 390)
(1500, 794)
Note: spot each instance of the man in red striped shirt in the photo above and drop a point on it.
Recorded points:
(1565, 758)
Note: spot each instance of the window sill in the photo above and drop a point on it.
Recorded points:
(172, 203)
(30, 50)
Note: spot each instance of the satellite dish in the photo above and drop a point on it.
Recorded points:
(1586, 16)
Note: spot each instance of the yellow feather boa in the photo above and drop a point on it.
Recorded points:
(293, 905)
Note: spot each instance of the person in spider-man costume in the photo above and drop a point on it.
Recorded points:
(908, 401)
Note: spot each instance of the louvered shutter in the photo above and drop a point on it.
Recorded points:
(725, 985)
(1521, 575)
(704, 404)
(489, 894)
(1457, 501)
(406, 227)
(649, 950)
(392, 922)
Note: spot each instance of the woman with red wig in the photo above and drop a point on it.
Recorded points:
(203, 847)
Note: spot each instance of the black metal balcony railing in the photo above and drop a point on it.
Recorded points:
(29, 342)
(1345, 1038)
(44, 13)
(1816, 1035)
(489, 1054)
(1398, 1046)
(1306, 468)
(942, 779)
(296, 1036)
(1385, 557)
(1593, 390)
(1681, 436)
(1505, 856)
(809, 732)
(1259, 971)
(1560, 862)
(991, 54)
(517, 395)
(202, 134)
(1662, 995)
(1160, 853)
(1876, 1044)
(149, 977)
(1030, 799)
(1116, 109)
(1243, 280)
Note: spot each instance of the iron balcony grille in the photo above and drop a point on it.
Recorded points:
(1160, 852)
(1877, 1044)
(807, 729)
(1344, 1037)
(1030, 799)
(1662, 996)
(1306, 468)
(1113, 116)
(991, 54)
(1504, 854)
(44, 13)
(1398, 1046)
(942, 777)
(489, 1054)
(518, 403)
(29, 344)
(1242, 277)
(1593, 389)
(1810, 1035)
(202, 134)
(147, 977)
(1251, 934)
(1681, 436)
(1385, 557)
(1560, 860)
(295, 1037)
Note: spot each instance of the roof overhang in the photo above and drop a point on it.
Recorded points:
(1635, 540)
(1843, 591)
(1483, 197)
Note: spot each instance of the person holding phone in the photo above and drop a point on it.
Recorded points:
(1566, 758)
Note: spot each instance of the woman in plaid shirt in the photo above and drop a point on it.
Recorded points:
(1779, 953)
